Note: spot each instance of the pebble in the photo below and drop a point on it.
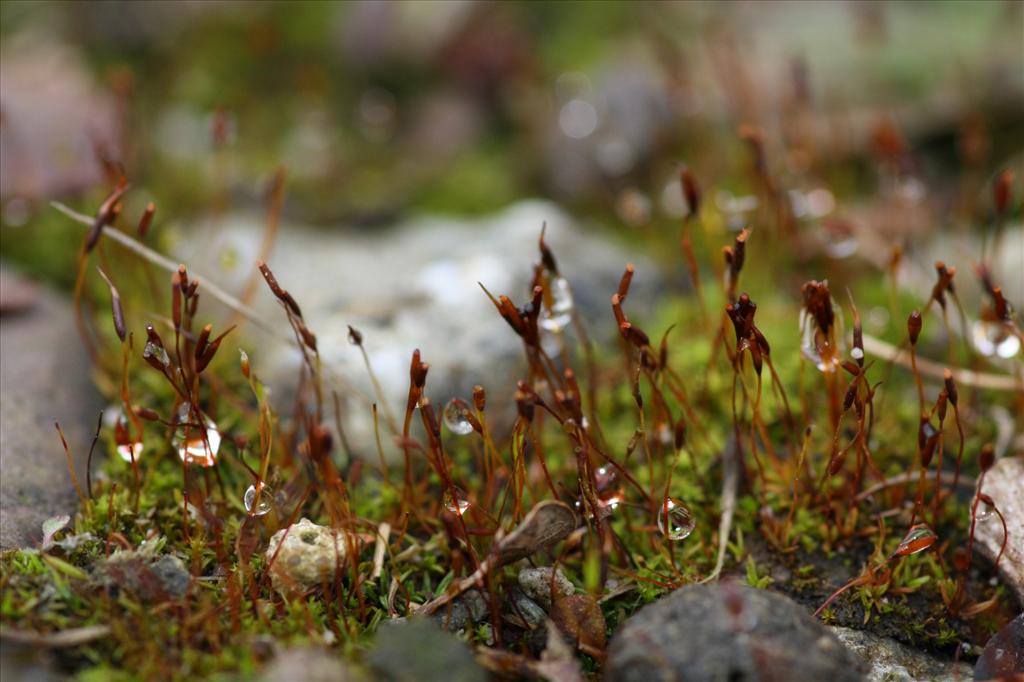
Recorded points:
(703, 633)
(308, 556)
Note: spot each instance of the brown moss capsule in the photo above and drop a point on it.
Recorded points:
(183, 279)
(624, 282)
(355, 337)
(680, 433)
(691, 192)
(203, 341)
(947, 377)
(146, 219)
(418, 370)
(546, 257)
(479, 398)
(987, 457)
(275, 288)
(525, 406)
(146, 413)
(115, 306)
(104, 216)
(914, 326)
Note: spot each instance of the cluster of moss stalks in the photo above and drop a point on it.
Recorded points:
(707, 442)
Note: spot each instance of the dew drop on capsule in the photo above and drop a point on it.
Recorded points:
(557, 317)
(919, 538)
(128, 448)
(456, 417)
(456, 502)
(152, 350)
(674, 520)
(265, 501)
(193, 447)
(994, 339)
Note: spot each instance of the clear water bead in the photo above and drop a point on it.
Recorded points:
(456, 501)
(152, 350)
(265, 502)
(194, 446)
(130, 451)
(994, 339)
(558, 316)
(456, 417)
(812, 344)
(674, 520)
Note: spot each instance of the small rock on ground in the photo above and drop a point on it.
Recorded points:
(417, 650)
(1004, 483)
(705, 633)
(536, 583)
(308, 556)
(1003, 656)
(891, 661)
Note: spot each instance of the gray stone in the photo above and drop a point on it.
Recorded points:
(416, 650)
(465, 611)
(415, 285)
(1004, 483)
(309, 554)
(44, 376)
(536, 583)
(727, 632)
(890, 661)
(525, 611)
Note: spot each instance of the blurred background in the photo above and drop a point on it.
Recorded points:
(420, 146)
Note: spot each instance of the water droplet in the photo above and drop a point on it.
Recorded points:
(815, 346)
(985, 511)
(152, 350)
(456, 501)
(195, 447)
(129, 451)
(558, 316)
(857, 354)
(127, 447)
(265, 501)
(674, 520)
(994, 339)
(604, 477)
(456, 417)
(919, 538)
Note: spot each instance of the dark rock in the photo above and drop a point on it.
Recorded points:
(525, 612)
(416, 650)
(889, 661)
(465, 611)
(1003, 656)
(727, 632)
(44, 376)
